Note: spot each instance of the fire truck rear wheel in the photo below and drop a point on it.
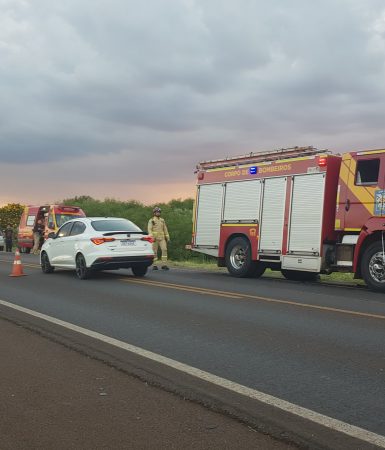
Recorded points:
(299, 275)
(238, 259)
(373, 267)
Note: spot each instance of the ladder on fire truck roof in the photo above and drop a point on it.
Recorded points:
(251, 158)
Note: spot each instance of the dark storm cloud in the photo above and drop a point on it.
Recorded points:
(186, 80)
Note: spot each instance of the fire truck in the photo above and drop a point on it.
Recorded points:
(299, 210)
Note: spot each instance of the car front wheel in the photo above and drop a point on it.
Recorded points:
(82, 271)
(45, 264)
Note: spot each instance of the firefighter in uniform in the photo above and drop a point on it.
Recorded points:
(157, 228)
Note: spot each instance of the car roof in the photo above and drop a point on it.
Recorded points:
(105, 218)
(98, 218)
(90, 219)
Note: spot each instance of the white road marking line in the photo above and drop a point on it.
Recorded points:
(308, 414)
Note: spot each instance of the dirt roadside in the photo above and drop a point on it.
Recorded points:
(54, 397)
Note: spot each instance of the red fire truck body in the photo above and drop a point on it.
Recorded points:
(301, 210)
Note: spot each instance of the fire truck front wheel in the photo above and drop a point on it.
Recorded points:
(238, 259)
(373, 267)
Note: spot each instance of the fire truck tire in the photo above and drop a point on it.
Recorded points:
(299, 275)
(373, 267)
(238, 258)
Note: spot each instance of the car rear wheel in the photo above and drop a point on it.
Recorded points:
(45, 264)
(82, 271)
(139, 271)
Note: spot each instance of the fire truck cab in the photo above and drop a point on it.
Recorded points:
(300, 210)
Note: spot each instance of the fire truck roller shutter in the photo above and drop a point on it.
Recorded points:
(209, 214)
(242, 200)
(273, 212)
(306, 214)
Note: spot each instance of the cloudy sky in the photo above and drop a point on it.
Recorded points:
(122, 98)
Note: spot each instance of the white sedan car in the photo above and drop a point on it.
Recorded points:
(89, 244)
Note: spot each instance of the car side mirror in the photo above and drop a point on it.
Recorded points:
(52, 235)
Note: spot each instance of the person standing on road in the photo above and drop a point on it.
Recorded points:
(38, 230)
(157, 228)
(8, 234)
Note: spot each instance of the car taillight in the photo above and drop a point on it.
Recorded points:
(148, 239)
(102, 240)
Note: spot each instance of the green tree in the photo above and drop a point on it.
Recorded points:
(10, 215)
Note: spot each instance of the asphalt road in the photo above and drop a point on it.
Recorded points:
(318, 347)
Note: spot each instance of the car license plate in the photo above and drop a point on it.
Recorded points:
(127, 242)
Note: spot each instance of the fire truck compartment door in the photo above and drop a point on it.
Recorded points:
(209, 214)
(272, 218)
(306, 214)
(242, 199)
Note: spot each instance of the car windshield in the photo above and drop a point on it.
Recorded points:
(114, 225)
(61, 219)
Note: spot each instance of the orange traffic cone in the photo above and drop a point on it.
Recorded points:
(17, 269)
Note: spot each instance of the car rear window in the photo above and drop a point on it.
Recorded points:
(114, 225)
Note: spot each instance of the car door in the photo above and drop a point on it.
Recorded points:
(71, 243)
(58, 247)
